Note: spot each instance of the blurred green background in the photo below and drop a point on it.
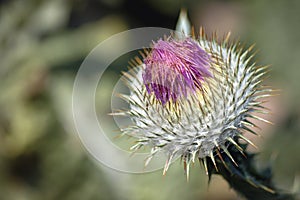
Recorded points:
(42, 44)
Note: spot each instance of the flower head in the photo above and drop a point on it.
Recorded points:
(192, 97)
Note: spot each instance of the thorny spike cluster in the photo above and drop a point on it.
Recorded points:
(225, 91)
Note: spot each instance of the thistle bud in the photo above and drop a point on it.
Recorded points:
(193, 97)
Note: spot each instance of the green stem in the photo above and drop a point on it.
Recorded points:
(244, 177)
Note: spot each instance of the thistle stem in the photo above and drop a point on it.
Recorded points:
(244, 177)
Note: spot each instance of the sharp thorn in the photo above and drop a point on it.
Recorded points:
(221, 158)
(235, 144)
(204, 161)
(167, 165)
(261, 119)
(240, 149)
(229, 155)
(213, 160)
(247, 140)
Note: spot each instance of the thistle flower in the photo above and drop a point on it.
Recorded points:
(192, 96)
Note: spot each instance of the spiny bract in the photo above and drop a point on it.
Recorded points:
(201, 116)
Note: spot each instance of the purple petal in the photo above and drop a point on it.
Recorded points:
(175, 67)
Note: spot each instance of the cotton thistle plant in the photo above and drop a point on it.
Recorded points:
(194, 97)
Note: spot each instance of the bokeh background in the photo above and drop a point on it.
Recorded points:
(42, 44)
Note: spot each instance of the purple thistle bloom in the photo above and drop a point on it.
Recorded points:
(174, 68)
(211, 113)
